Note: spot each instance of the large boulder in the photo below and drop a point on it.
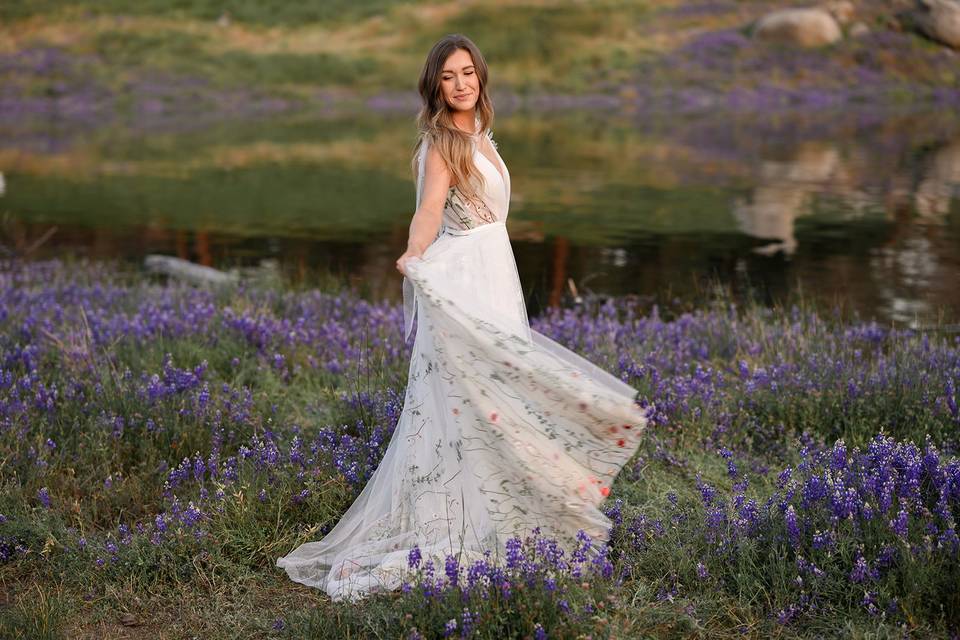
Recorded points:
(939, 20)
(805, 27)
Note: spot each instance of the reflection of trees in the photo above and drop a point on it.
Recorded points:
(783, 195)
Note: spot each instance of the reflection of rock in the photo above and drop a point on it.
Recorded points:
(939, 20)
(902, 270)
(804, 27)
(782, 194)
(934, 193)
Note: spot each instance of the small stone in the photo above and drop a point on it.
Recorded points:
(859, 30)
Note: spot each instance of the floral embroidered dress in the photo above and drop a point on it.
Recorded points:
(502, 429)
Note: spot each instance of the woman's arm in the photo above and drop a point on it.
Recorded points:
(426, 220)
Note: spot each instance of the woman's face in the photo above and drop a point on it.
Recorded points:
(458, 81)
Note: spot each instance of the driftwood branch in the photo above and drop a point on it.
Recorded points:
(189, 271)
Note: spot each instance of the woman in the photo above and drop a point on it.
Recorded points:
(502, 429)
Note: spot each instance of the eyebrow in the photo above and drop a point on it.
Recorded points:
(469, 66)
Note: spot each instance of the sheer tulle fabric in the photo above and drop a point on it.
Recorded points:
(502, 430)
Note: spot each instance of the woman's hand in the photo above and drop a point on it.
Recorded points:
(408, 254)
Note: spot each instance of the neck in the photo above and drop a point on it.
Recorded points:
(466, 120)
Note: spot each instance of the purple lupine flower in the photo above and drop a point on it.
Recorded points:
(702, 571)
(793, 529)
(414, 557)
(514, 552)
(450, 627)
(899, 524)
(861, 571)
(467, 621)
(452, 569)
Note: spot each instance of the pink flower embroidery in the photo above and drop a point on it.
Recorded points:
(493, 416)
(456, 411)
(583, 406)
(605, 491)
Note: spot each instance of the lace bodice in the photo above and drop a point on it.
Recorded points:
(491, 205)
(494, 201)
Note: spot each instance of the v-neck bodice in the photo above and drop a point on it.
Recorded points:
(493, 201)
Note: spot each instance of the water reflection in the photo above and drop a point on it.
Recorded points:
(783, 194)
(938, 186)
(859, 209)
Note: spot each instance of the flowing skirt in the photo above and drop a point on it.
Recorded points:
(502, 430)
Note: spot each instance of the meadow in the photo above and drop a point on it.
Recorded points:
(161, 445)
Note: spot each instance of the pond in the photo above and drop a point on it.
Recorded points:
(853, 208)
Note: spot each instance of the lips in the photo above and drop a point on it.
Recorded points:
(463, 97)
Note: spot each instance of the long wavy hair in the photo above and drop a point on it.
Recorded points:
(435, 119)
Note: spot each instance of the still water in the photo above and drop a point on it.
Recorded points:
(860, 209)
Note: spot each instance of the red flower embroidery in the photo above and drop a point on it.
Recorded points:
(493, 416)
(621, 442)
(583, 406)
(613, 429)
(628, 426)
(605, 491)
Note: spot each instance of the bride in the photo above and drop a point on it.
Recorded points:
(502, 429)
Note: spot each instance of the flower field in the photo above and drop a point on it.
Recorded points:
(161, 445)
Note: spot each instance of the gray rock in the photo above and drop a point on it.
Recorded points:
(803, 27)
(939, 20)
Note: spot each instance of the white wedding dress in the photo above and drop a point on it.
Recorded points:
(502, 429)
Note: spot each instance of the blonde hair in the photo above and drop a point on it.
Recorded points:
(435, 119)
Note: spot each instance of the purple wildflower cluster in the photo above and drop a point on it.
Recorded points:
(536, 575)
(727, 69)
(751, 382)
(853, 525)
(93, 362)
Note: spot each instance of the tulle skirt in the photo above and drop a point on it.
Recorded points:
(502, 430)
